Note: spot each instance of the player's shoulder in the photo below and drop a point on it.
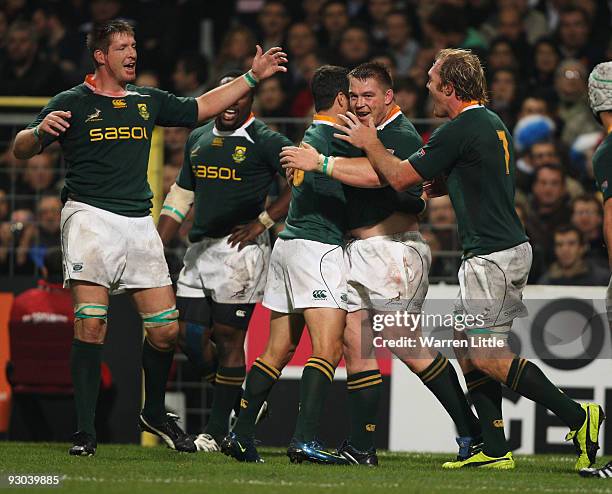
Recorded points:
(319, 136)
(602, 158)
(200, 131)
(70, 95)
(132, 89)
(260, 132)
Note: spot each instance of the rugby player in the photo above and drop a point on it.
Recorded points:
(306, 284)
(388, 264)
(109, 240)
(474, 149)
(600, 99)
(228, 167)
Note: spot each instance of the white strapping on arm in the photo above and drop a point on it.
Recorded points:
(177, 203)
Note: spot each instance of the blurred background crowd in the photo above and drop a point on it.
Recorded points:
(537, 56)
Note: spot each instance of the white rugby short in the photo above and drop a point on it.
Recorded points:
(111, 250)
(388, 272)
(491, 286)
(212, 268)
(305, 274)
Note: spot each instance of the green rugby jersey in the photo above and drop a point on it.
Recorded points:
(476, 151)
(318, 207)
(367, 207)
(230, 173)
(602, 166)
(106, 148)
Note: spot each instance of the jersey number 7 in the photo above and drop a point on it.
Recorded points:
(501, 135)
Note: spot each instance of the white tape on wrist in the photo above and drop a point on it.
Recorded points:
(177, 203)
(265, 219)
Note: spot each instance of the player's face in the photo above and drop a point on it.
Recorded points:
(120, 60)
(235, 115)
(439, 98)
(369, 99)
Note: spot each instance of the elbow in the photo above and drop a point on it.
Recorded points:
(20, 150)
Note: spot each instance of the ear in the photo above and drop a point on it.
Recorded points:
(389, 96)
(448, 90)
(99, 57)
(342, 100)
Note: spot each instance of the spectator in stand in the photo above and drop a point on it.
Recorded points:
(174, 145)
(407, 97)
(237, 46)
(378, 11)
(387, 61)
(60, 45)
(570, 266)
(448, 26)
(587, 216)
(546, 59)
(501, 56)
(401, 44)
(312, 12)
(46, 234)
(147, 78)
(273, 21)
(511, 27)
(38, 179)
(271, 99)
(573, 109)
(25, 73)
(549, 208)
(190, 75)
(533, 21)
(301, 42)
(505, 95)
(13, 244)
(354, 47)
(573, 37)
(334, 20)
(301, 96)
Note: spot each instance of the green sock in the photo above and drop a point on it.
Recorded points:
(259, 382)
(192, 348)
(316, 380)
(486, 395)
(85, 361)
(228, 386)
(156, 366)
(441, 379)
(364, 389)
(529, 381)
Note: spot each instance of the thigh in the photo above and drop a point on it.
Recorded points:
(237, 315)
(358, 337)
(196, 310)
(94, 247)
(325, 326)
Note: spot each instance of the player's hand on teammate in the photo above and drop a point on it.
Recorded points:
(435, 187)
(355, 133)
(242, 235)
(269, 63)
(304, 157)
(55, 123)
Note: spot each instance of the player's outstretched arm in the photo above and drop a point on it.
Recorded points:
(176, 206)
(352, 171)
(264, 65)
(29, 142)
(399, 174)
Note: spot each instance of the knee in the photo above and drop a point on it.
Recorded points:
(230, 344)
(486, 366)
(90, 330)
(163, 337)
(279, 355)
(330, 351)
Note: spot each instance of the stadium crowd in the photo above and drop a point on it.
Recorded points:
(537, 57)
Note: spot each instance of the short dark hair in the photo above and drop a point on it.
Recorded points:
(373, 70)
(588, 198)
(553, 167)
(100, 36)
(327, 82)
(329, 3)
(448, 19)
(563, 229)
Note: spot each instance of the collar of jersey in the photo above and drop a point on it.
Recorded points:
(319, 119)
(239, 132)
(90, 82)
(394, 112)
(469, 105)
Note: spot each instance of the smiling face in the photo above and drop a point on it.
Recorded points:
(368, 98)
(235, 115)
(120, 58)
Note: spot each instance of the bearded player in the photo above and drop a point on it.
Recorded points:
(228, 168)
(388, 264)
(109, 241)
(475, 151)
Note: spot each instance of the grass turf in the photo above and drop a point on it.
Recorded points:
(133, 469)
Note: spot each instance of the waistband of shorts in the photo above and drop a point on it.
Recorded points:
(259, 239)
(411, 236)
(71, 203)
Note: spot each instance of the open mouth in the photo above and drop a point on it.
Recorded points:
(230, 114)
(130, 67)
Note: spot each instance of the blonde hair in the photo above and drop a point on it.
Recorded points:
(462, 70)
